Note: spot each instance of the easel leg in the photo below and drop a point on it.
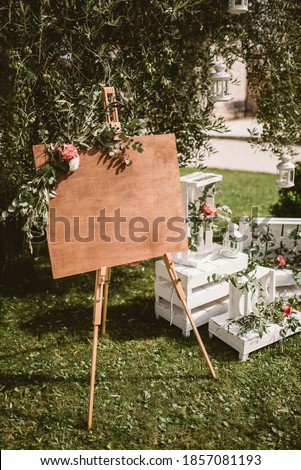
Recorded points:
(181, 294)
(105, 301)
(98, 298)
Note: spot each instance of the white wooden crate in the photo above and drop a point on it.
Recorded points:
(176, 316)
(247, 343)
(204, 298)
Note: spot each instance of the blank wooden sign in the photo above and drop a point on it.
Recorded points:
(107, 215)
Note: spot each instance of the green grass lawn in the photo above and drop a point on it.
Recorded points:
(153, 387)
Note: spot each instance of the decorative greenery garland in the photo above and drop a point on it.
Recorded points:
(33, 199)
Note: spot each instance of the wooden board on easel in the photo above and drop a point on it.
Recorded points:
(143, 201)
(151, 196)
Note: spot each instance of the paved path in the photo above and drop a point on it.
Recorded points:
(236, 153)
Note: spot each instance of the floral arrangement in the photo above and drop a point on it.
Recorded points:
(68, 153)
(33, 198)
(201, 213)
(280, 312)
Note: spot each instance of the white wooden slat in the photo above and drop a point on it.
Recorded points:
(200, 179)
(196, 297)
(185, 200)
(236, 302)
(183, 274)
(245, 230)
(284, 277)
(288, 242)
(288, 291)
(278, 220)
(242, 301)
(204, 254)
(275, 232)
(199, 276)
(178, 318)
(201, 315)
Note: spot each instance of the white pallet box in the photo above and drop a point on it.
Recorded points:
(200, 315)
(229, 333)
(247, 343)
(199, 292)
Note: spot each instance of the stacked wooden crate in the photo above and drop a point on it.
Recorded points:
(204, 298)
(270, 236)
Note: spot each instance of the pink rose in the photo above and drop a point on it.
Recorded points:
(68, 151)
(281, 261)
(287, 309)
(208, 209)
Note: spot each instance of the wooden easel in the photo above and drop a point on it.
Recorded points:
(103, 279)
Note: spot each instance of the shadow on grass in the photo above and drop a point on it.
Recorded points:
(134, 321)
(40, 280)
(11, 381)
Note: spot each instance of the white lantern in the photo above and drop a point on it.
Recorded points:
(237, 7)
(231, 242)
(220, 81)
(285, 173)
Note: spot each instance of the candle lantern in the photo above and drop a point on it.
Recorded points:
(285, 173)
(237, 7)
(231, 241)
(220, 81)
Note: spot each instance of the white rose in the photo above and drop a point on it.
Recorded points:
(73, 164)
